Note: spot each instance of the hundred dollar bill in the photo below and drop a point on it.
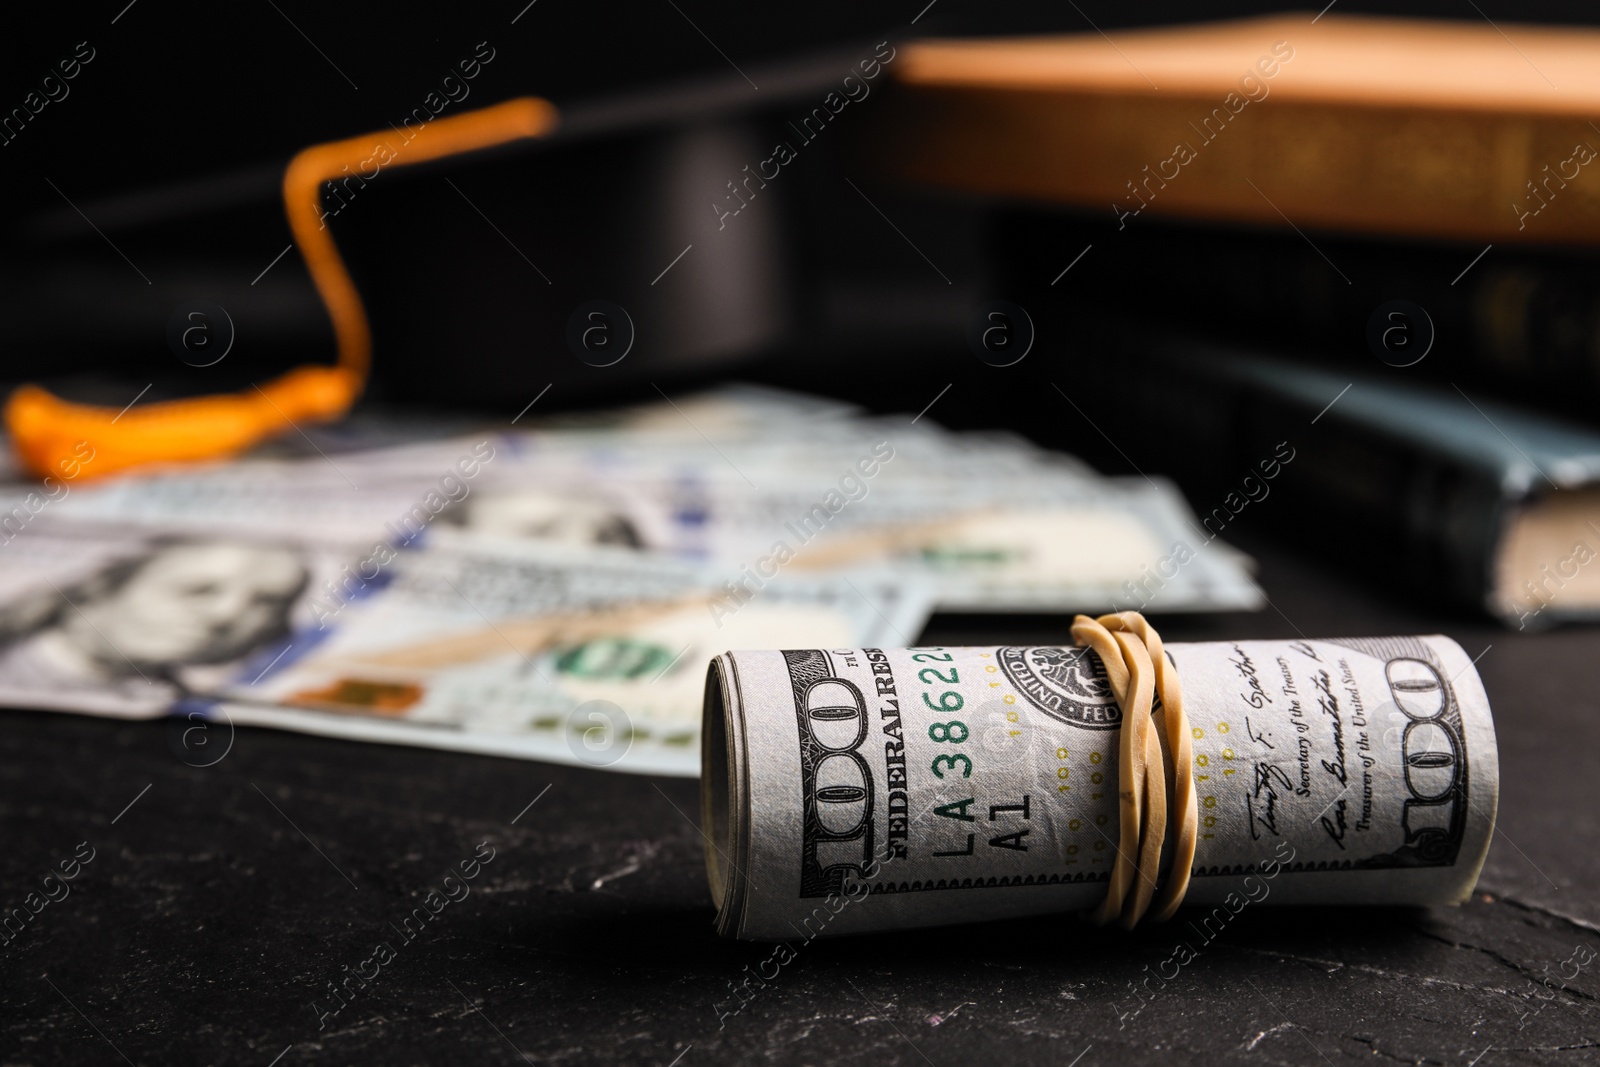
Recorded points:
(585, 657)
(732, 477)
(853, 790)
(576, 656)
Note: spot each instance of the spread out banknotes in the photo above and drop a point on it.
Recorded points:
(849, 790)
(516, 649)
(553, 591)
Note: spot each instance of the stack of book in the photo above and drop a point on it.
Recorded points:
(1356, 253)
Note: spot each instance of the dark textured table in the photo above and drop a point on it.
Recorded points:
(221, 901)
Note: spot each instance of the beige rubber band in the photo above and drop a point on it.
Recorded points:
(1139, 675)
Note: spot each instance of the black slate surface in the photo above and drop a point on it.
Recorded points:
(219, 905)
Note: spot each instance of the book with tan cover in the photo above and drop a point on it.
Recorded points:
(1470, 130)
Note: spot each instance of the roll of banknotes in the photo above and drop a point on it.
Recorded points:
(855, 790)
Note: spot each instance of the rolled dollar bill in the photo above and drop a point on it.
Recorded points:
(854, 790)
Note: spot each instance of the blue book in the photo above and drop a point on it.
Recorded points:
(1447, 493)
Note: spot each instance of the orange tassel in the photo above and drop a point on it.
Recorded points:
(47, 431)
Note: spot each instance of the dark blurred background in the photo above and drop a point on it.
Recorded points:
(155, 182)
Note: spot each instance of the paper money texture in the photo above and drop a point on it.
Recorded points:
(853, 790)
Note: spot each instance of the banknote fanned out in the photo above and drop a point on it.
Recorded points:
(856, 790)
(550, 592)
